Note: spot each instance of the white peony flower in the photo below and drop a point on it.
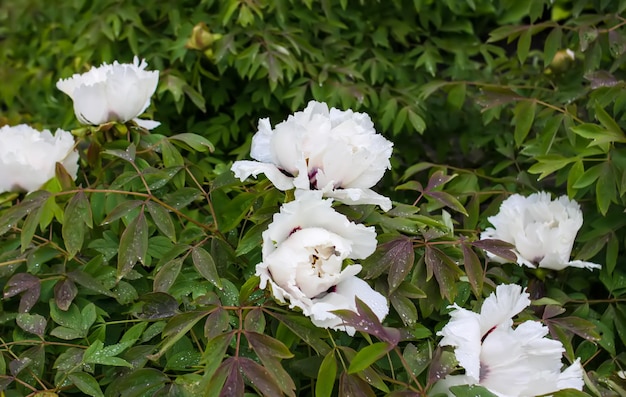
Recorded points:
(542, 230)
(118, 92)
(303, 260)
(335, 151)
(510, 362)
(28, 157)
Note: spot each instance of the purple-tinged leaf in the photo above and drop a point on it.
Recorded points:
(473, 269)
(166, 275)
(445, 270)
(216, 323)
(259, 377)
(267, 347)
(254, 321)
(19, 364)
(234, 386)
(28, 285)
(353, 386)
(401, 257)
(64, 293)
(601, 78)
(437, 179)
(442, 364)
(581, 327)
(33, 323)
(448, 200)
(19, 283)
(497, 247)
(364, 320)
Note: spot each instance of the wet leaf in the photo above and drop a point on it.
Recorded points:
(86, 383)
(33, 323)
(64, 293)
(204, 264)
(260, 377)
(133, 245)
(353, 386)
(167, 274)
(162, 220)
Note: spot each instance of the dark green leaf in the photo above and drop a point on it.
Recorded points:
(162, 220)
(133, 245)
(166, 275)
(204, 264)
(524, 113)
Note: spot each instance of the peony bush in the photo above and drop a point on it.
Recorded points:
(373, 200)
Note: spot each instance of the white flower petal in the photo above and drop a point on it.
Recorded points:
(117, 92)
(147, 124)
(542, 230)
(515, 362)
(323, 147)
(28, 157)
(304, 249)
(244, 169)
(359, 196)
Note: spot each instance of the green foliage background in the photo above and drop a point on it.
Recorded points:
(137, 279)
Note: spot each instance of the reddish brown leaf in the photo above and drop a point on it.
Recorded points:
(64, 293)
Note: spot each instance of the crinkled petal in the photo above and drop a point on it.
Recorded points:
(359, 196)
(501, 306)
(245, 168)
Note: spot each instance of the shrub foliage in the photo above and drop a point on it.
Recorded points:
(138, 278)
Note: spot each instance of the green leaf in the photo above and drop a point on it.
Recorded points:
(121, 210)
(523, 45)
(552, 45)
(29, 227)
(215, 351)
(368, 356)
(128, 154)
(547, 164)
(31, 202)
(86, 383)
(456, 96)
(607, 121)
(417, 121)
(471, 391)
(162, 220)
(133, 245)
(524, 115)
(326, 376)
(589, 176)
(205, 265)
(166, 275)
(598, 135)
(196, 142)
